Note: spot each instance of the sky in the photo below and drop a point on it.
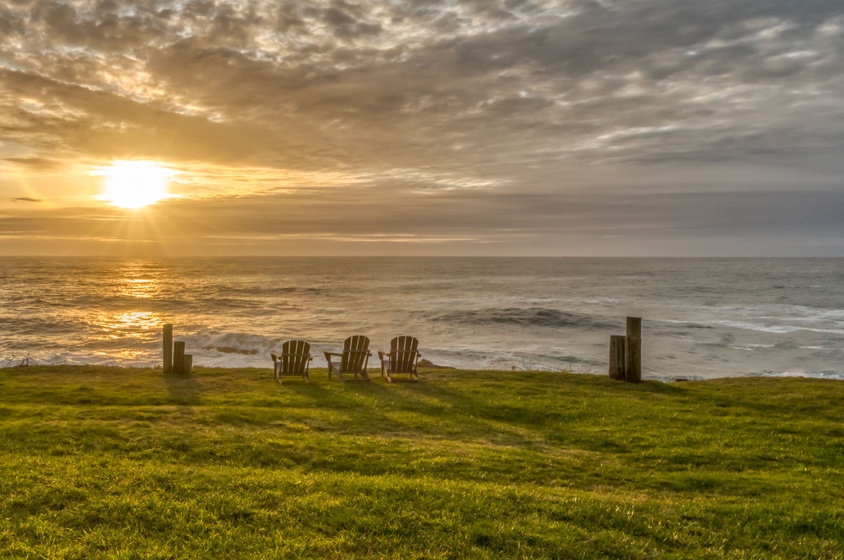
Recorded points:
(437, 127)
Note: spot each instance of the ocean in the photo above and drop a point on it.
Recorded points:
(701, 318)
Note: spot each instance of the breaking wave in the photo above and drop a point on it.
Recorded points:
(528, 317)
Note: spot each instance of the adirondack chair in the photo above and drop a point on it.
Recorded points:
(402, 358)
(353, 359)
(294, 359)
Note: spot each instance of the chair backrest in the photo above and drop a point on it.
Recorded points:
(295, 355)
(355, 353)
(403, 354)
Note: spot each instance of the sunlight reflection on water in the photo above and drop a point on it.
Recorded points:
(137, 325)
(138, 280)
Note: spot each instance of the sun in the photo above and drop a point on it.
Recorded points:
(134, 184)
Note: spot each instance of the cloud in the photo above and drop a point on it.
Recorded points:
(372, 220)
(476, 104)
(26, 199)
(34, 163)
(577, 75)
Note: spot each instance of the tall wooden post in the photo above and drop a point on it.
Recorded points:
(168, 348)
(179, 357)
(616, 370)
(633, 350)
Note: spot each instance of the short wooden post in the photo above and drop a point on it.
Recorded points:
(632, 359)
(633, 350)
(168, 349)
(178, 356)
(616, 370)
(187, 366)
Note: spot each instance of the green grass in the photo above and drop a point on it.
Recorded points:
(128, 463)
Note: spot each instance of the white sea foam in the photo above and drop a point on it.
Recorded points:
(778, 329)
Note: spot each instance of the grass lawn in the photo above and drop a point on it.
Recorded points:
(129, 463)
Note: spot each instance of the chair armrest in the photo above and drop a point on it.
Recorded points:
(328, 356)
(331, 366)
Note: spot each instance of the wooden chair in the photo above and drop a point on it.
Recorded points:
(402, 358)
(353, 359)
(294, 359)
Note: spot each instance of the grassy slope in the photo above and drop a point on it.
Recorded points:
(225, 463)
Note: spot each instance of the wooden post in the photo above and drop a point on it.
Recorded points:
(168, 348)
(616, 357)
(633, 350)
(634, 327)
(178, 356)
(632, 359)
(188, 364)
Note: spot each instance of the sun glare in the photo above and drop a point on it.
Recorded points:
(135, 184)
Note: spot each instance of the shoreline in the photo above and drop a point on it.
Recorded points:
(375, 374)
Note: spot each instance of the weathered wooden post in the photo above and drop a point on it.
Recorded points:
(616, 370)
(633, 350)
(168, 348)
(179, 357)
(188, 364)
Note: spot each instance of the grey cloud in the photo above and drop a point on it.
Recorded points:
(288, 19)
(106, 7)
(37, 163)
(201, 8)
(11, 22)
(482, 218)
(467, 213)
(552, 220)
(62, 25)
(108, 125)
(233, 27)
(344, 19)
